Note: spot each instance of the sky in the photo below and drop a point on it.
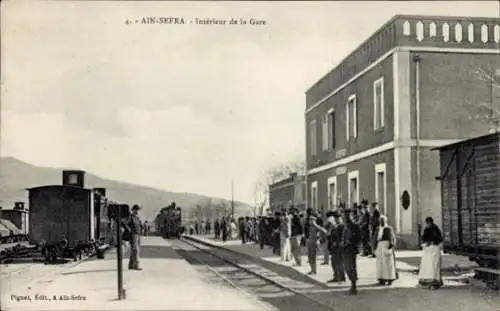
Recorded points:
(185, 108)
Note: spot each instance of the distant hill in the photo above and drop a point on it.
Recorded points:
(16, 176)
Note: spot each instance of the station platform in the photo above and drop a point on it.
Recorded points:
(407, 264)
(167, 282)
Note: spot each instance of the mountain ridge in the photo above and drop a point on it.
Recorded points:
(17, 175)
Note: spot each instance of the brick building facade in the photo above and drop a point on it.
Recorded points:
(287, 192)
(372, 121)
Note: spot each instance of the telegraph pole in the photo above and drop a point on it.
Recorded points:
(232, 199)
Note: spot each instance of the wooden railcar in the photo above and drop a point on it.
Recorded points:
(470, 191)
(68, 220)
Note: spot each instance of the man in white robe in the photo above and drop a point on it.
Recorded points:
(429, 274)
(285, 233)
(385, 257)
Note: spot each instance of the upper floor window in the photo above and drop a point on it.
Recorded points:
(312, 136)
(378, 104)
(332, 125)
(324, 132)
(351, 118)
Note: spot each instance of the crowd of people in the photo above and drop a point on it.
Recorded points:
(344, 234)
(227, 228)
(337, 239)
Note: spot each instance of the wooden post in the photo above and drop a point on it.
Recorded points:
(119, 254)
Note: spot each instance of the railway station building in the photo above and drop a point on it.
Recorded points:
(288, 192)
(417, 83)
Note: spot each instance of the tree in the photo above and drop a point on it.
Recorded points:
(198, 212)
(270, 176)
(220, 209)
(208, 212)
(490, 111)
(260, 194)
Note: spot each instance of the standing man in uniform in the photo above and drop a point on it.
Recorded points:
(352, 238)
(336, 238)
(263, 225)
(296, 237)
(365, 228)
(312, 240)
(324, 238)
(241, 225)
(135, 227)
(374, 224)
(247, 229)
(276, 233)
(217, 229)
(333, 234)
(224, 225)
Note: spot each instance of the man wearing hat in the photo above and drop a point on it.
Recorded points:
(135, 226)
(336, 250)
(374, 223)
(297, 230)
(365, 228)
(350, 242)
(312, 239)
(333, 231)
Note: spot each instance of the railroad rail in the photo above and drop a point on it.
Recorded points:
(260, 281)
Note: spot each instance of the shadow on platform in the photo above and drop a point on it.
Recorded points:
(156, 252)
(88, 271)
(409, 299)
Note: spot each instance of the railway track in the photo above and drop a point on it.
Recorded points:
(250, 278)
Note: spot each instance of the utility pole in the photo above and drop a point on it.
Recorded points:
(232, 199)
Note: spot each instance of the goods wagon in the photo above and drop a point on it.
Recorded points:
(68, 220)
(470, 193)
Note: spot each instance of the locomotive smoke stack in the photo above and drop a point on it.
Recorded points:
(74, 178)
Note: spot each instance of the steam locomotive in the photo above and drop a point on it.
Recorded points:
(169, 221)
